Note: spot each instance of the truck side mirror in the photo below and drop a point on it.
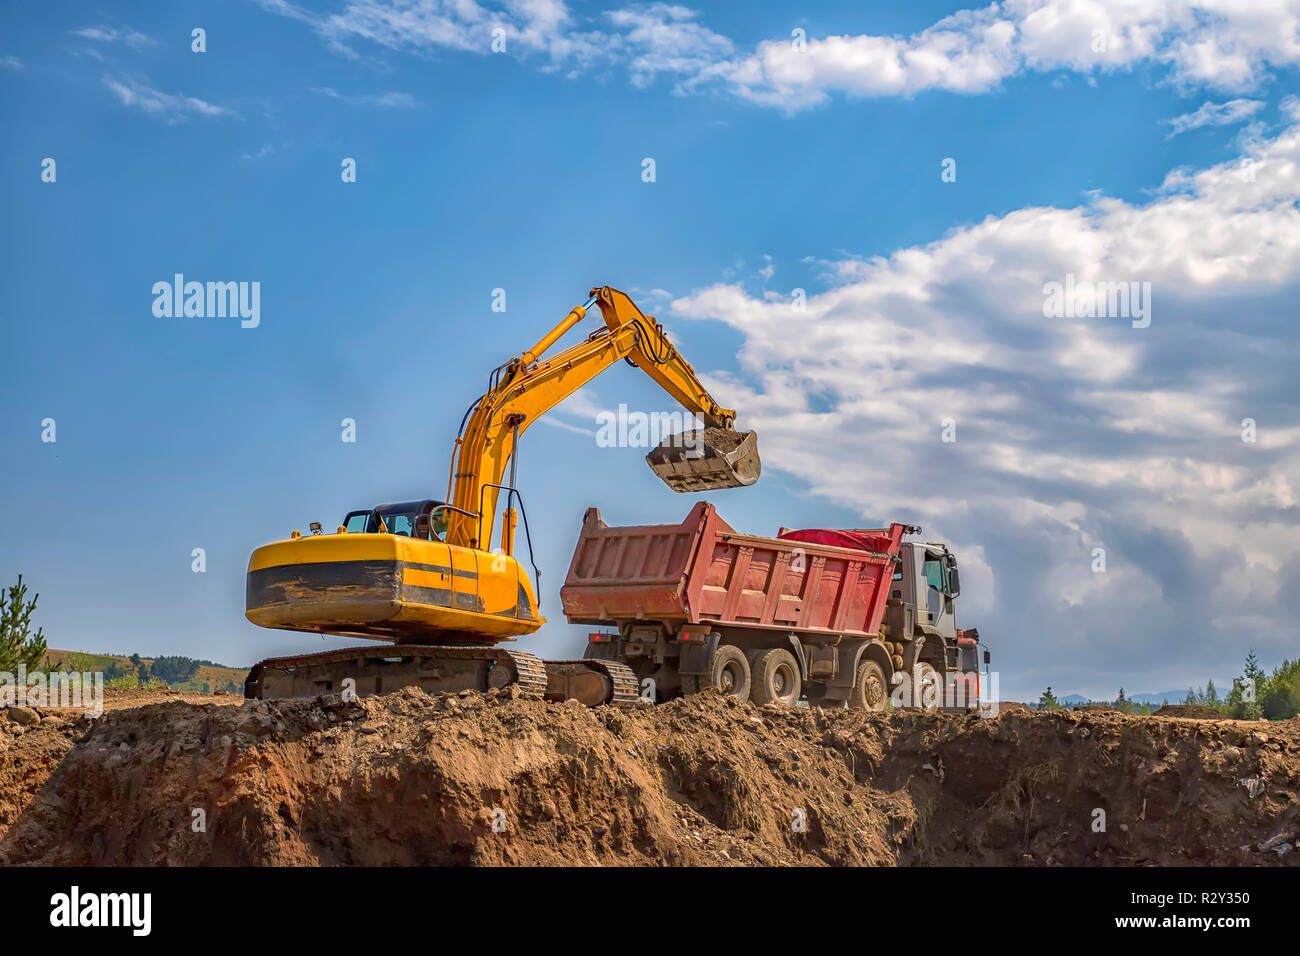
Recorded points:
(986, 657)
(954, 582)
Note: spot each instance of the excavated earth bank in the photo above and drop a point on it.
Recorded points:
(471, 779)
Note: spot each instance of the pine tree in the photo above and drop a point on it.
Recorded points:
(18, 645)
(1279, 698)
(1212, 695)
(1252, 670)
(1047, 700)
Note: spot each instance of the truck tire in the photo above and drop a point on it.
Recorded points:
(729, 674)
(870, 691)
(927, 688)
(774, 678)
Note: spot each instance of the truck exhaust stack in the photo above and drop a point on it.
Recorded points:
(706, 459)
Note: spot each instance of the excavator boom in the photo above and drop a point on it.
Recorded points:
(526, 387)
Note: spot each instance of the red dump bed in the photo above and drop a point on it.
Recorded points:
(703, 571)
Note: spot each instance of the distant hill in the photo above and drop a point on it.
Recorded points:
(1168, 696)
(178, 673)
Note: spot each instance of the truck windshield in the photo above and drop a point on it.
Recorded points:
(934, 575)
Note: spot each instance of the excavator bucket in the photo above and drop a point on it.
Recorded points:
(706, 459)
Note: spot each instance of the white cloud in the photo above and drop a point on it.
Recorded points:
(381, 100)
(1071, 433)
(969, 52)
(1217, 44)
(528, 26)
(10, 62)
(1220, 44)
(101, 34)
(665, 38)
(136, 93)
(582, 407)
(1214, 114)
(263, 151)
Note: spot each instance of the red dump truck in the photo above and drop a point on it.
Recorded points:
(830, 616)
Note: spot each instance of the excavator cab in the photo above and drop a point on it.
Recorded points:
(425, 519)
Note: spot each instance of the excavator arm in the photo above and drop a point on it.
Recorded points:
(526, 387)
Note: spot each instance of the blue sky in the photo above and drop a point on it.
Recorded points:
(1165, 152)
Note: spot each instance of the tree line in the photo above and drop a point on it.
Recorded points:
(1255, 695)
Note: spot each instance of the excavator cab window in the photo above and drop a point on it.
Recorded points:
(411, 519)
(367, 522)
(398, 524)
(431, 527)
(357, 522)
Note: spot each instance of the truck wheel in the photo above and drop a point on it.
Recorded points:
(870, 691)
(730, 674)
(774, 678)
(926, 687)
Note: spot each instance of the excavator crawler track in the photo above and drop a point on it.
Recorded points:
(623, 687)
(379, 670)
(627, 690)
(530, 673)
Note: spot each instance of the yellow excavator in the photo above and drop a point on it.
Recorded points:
(422, 575)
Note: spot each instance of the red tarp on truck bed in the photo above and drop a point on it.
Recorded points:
(879, 542)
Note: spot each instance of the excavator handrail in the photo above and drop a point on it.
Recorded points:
(513, 493)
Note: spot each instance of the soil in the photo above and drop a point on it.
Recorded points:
(29, 753)
(1198, 711)
(410, 778)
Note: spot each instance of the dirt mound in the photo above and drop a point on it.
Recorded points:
(34, 741)
(31, 747)
(413, 779)
(1198, 711)
(1011, 707)
(493, 779)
